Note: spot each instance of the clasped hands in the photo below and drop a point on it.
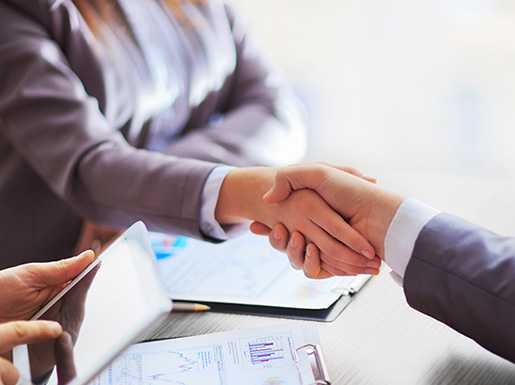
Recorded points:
(357, 215)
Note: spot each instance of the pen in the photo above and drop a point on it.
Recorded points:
(188, 306)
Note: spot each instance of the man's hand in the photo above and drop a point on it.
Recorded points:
(22, 332)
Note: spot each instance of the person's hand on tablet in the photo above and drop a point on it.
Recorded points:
(26, 288)
(22, 332)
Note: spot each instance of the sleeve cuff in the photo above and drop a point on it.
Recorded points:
(406, 225)
(209, 227)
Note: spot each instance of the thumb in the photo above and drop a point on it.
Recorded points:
(280, 190)
(59, 272)
(293, 178)
(306, 176)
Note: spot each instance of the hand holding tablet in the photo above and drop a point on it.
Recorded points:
(102, 311)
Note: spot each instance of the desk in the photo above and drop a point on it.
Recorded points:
(378, 338)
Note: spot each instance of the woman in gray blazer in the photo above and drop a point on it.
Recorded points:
(117, 111)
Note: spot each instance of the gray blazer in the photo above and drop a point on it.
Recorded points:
(464, 276)
(116, 127)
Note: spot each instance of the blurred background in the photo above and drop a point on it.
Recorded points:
(407, 86)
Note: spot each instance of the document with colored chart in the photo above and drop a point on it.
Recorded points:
(284, 354)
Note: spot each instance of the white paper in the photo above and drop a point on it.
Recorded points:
(261, 356)
(244, 270)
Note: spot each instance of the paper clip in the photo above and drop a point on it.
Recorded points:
(316, 360)
(350, 289)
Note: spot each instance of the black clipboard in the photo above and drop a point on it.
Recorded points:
(322, 315)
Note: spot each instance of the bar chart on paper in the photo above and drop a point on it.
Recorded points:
(266, 351)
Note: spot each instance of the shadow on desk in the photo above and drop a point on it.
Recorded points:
(456, 370)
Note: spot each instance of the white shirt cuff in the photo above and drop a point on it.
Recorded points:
(208, 224)
(406, 225)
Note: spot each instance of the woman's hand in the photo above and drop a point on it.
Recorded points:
(26, 288)
(22, 332)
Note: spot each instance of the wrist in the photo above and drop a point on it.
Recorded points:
(241, 193)
(384, 211)
(375, 213)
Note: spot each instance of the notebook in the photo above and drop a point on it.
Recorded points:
(105, 309)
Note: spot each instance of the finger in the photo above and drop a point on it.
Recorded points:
(370, 179)
(278, 237)
(259, 228)
(59, 272)
(340, 230)
(9, 375)
(338, 267)
(334, 271)
(351, 170)
(296, 250)
(312, 264)
(336, 250)
(27, 332)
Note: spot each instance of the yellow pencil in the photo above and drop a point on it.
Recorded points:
(188, 306)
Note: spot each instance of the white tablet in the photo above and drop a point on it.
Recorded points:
(105, 309)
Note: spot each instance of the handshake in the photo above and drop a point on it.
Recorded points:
(331, 220)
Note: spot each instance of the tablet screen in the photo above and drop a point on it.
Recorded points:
(105, 309)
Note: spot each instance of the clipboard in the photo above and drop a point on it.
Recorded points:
(246, 275)
(317, 362)
(282, 354)
(321, 315)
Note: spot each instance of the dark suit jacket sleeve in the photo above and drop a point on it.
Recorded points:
(464, 276)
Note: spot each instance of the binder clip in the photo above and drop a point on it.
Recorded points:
(316, 361)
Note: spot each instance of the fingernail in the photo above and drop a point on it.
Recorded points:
(369, 178)
(293, 244)
(371, 271)
(308, 253)
(367, 254)
(276, 236)
(374, 263)
(55, 328)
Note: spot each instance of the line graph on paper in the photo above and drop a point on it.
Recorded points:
(244, 270)
(185, 367)
(235, 269)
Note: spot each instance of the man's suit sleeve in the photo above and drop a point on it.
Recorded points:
(464, 276)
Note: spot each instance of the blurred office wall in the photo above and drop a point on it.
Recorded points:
(424, 86)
